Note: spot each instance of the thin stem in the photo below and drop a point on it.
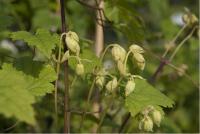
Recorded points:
(181, 44)
(9, 128)
(174, 39)
(186, 75)
(82, 112)
(126, 59)
(73, 82)
(172, 66)
(56, 83)
(87, 104)
(104, 52)
(104, 113)
(124, 122)
(66, 79)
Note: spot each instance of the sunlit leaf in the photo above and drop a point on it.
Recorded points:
(145, 95)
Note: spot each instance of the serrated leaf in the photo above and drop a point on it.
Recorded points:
(41, 85)
(144, 95)
(41, 75)
(17, 90)
(42, 40)
(15, 100)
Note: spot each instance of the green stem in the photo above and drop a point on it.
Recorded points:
(56, 83)
(111, 101)
(73, 81)
(104, 52)
(126, 59)
(185, 74)
(76, 57)
(88, 102)
(174, 39)
(181, 44)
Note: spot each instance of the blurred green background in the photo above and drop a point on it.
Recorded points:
(151, 23)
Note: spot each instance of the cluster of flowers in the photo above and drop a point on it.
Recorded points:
(120, 56)
(149, 116)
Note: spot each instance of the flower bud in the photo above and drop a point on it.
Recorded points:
(138, 57)
(118, 53)
(72, 42)
(189, 19)
(140, 61)
(141, 65)
(146, 124)
(156, 115)
(65, 56)
(194, 19)
(79, 69)
(136, 49)
(130, 86)
(111, 85)
(121, 68)
(100, 81)
(185, 19)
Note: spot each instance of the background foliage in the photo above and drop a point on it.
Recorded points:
(151, 23)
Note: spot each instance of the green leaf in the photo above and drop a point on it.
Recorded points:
(46, 19)
(144, 95)
(17, 90)
(28, 66)
(125, 19)
(15, 100)
(42, 40)
(41, 85)
(39, 76)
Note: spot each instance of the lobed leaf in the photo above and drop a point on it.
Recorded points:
(18, 91)
(41, 85)
(144, 95)
(42, 40)
(15, 100)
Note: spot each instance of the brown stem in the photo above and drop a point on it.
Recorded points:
(124, 122)
(158, 71)
(66, 81)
